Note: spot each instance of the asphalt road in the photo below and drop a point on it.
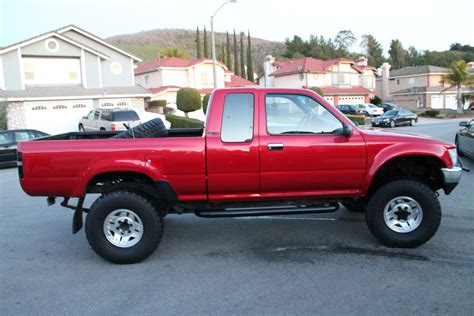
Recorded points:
(324, 264)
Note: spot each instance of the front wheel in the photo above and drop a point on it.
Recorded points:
(412, 122)
(404, 214)
(392, 124)
(81, 128)
(123, 227)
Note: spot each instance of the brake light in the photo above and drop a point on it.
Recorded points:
(113, 127)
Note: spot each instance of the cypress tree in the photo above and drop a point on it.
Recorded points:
(229, 58)
(242, 59)
(249, 59)
(198, 44)
(223, 59)
(236, 57)
(206, 53)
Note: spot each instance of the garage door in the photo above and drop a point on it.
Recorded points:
(451, 102)
(436, 101)
(115, 103)
(56, 117)
(330, 100)
(351, 100)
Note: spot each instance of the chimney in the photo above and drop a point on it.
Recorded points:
(158, 56)
(385, 69)
(362, 61)
(267, 70)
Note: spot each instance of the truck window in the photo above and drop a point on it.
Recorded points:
(288, 114)
(237, 118)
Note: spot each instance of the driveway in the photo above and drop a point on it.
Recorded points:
(324, 264)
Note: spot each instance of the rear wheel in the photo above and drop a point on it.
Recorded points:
(102, 129)
(403, 213)
(123, 227)
(81, 128)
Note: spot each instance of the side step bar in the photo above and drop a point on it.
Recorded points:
(271, 210)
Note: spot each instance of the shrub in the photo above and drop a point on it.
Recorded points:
(168, 110)
(3, 116)
(205, 101)
(157, 103)
(317, 90)
(188, 100)
(441, 116)
(359, 119)
(431, 113)
(376, 100)
(183, 122)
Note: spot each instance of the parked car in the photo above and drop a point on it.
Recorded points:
(395, 118)
(388, 106)
(370, 109)
(465, 139)
(263, 151)
(8, 143)
(351, 109)
(146, 116)
(109, 120)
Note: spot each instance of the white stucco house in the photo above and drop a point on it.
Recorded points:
(50, 81)
(342, 80)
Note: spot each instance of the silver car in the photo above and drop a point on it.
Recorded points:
(109, 120)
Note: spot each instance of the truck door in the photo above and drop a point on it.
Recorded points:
(302, 151)
(232, 146)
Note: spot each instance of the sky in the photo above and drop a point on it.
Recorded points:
(432, 25)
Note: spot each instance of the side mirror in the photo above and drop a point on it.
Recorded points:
(463, 123)
(347, 130)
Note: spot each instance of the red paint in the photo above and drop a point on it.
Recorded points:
(205, 168)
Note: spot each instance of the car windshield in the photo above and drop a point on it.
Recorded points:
(361, 106)
(373, 106)
(390, 113)
(124, 116)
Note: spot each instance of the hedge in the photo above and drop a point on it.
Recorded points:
(359, 119)
(431, 113)
(157, 103)
(183, 122)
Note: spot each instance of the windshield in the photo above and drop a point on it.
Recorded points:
(390, 114)
(361, 106)
(124, 116)
(373, 106)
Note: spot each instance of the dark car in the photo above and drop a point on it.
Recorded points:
(388, 106)
(351, 109)
(465, 139)
(395, 118)
(8, 142)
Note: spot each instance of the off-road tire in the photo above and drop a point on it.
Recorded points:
(151, 129)
(419, 192)
(356, 206)
(152, 227)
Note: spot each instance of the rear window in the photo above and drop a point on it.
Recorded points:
(237, 119)
(125, 116)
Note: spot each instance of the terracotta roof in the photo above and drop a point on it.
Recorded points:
(352, 90)
(163, 88)
(308, 64)
(236, 81)
(172, 62)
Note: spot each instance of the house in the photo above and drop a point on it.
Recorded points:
(418, 87)
(343, 81)
(51, 80)
(165, 76)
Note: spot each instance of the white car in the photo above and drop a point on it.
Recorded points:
(109, 120)
(147, 116)
(370, 109)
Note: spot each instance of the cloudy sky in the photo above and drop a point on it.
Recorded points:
(432, 25)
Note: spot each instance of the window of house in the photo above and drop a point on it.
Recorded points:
(398, 81)
(122, 104)
(289, 114)
(146, 79)
(237, 118)
(78, 106)
(411, 81)
(59, 107)
(38, 70)
(107, 105)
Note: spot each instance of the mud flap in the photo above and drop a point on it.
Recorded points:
(77, 222)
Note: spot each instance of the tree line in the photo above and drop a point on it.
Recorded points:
(322, 48)
(236, 56)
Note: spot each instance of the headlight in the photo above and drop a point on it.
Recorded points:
(386, 120)
(454, 156)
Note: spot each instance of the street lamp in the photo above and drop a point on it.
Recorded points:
(213, 42)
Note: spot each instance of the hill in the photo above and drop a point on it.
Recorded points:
(146, 44)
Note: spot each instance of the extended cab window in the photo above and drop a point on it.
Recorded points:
(298, 114)
(237, 118)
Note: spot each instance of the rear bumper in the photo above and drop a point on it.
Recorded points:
(451, 178)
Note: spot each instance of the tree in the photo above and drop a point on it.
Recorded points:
(229, 58)
(206, 53)
(295, 48)
(242, 59)
(318, 90)
(458, 76)
(236, 57)
(198, 43)
(373, 50)
(344, 39)
(188, 100)
(205, 101)
(412, 57)
(375, 100)
(249, 59)
(174, 52)
(223, 59)
(397, 54)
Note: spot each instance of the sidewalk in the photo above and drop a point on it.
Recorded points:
(427, 121)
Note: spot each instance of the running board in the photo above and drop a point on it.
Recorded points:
(271, 210)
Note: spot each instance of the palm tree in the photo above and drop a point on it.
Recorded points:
(458, 76)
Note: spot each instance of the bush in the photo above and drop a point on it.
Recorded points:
(317, 90)
(188, 100)
(168, 110)
(3, 116)
(431, 113)
(183, 122)
(205, 101)
(157, 103)
(376, 100)
(359, 119)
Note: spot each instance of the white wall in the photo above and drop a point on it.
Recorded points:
(290, 81)
(154, 79)
(174, 77)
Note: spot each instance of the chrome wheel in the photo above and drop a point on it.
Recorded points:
(123, 228)
(403, 214)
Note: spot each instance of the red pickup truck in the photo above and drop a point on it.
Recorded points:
(262, 152)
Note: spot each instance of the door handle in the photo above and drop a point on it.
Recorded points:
(275, 146)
